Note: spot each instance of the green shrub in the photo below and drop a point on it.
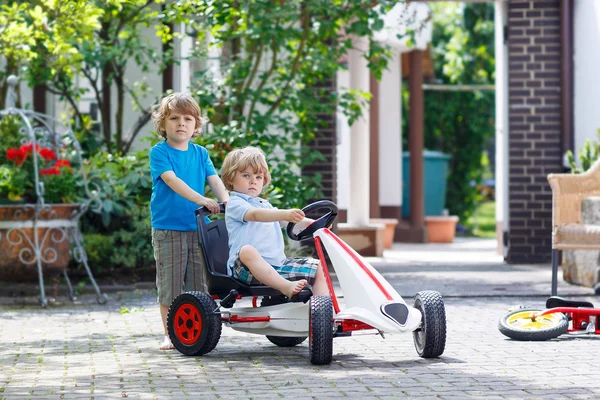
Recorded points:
(129, 248)
(587, 156)
(123, 183)
(99, 249)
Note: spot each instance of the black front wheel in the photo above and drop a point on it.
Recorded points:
(430, 337)
(194, 328)
(320, 325)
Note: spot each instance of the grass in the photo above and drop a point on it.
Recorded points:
(483, 221)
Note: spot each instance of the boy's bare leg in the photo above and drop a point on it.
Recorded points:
(166, 344)
(265, 273)
(319, 287)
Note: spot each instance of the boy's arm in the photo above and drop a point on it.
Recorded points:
(218, 188)
(182, 188)
(273, 215)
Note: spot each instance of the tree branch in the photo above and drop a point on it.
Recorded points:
(296, 63)
(257, 61)
(263, 81)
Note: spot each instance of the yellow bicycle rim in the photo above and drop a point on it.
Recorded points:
(530, 321)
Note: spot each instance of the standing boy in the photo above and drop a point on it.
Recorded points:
(180, 171)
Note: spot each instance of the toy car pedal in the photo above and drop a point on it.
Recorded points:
(229, 300)
(303, 296)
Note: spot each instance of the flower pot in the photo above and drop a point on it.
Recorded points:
(441, 229)
(389, 231)
(18, 255)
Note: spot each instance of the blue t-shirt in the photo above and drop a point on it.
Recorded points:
(168, 209)
(266, 237)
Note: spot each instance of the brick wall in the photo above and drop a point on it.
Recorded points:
(325, 142)
(534, 125)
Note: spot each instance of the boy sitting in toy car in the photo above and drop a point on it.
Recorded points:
(256, 248)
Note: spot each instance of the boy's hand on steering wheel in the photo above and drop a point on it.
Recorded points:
(294, 215)
(212, 205)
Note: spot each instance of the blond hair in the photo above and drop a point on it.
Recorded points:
(240, 160)
(181, 103)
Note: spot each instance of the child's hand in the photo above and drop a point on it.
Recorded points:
(212, 205)
(294, 215)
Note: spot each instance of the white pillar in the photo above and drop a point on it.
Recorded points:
(358, 205)
(390, 134)
(501, 170)
(183, 71)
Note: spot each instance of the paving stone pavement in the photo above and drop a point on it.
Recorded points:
(89, 351)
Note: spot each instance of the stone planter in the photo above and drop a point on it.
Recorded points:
(18, 241)
(441, 229)
(365, 240)
(389, 231)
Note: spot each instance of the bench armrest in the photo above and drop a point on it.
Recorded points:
(568, 192)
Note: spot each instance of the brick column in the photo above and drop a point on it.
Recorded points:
(325, 142)
(534, 111)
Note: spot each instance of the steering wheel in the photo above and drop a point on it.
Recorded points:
(322, 222)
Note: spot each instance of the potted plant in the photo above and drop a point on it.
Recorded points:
(38, 189)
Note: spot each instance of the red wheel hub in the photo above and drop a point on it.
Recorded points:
(188, 324)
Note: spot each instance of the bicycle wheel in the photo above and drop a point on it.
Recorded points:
(524, 324)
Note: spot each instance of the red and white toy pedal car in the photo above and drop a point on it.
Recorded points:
(371, 304)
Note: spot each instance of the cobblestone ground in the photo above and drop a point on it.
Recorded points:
(94, 352)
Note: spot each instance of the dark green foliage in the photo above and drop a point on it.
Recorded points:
(460, 123)
(123, 184)
(129, 247)
(276, 64)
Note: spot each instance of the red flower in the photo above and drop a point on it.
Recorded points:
(50, 171)
(62, 163)
(47, 153)
(28, 147)
(16, 155)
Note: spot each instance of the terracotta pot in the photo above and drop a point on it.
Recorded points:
(390, 230)
(441, 229)
(18, 259)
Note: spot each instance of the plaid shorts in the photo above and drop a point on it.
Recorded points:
(293, 269)
(179, 264)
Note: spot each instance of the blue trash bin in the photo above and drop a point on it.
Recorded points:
(435, 173)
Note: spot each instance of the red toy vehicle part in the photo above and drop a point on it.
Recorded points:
(562, 316)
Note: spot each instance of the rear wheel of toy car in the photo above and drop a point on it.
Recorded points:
(320, 330)
(281, 341)
(194, 328)
(525, 324)
(430, 337)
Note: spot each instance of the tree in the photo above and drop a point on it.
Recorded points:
(460, 123)
(44, 32)
(117, 41)
(263, 74)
